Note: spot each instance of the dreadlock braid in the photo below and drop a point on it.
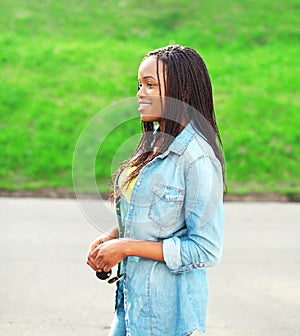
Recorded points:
(186, 80)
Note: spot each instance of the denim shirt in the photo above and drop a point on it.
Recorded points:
(177, 200)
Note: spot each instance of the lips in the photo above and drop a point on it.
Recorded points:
(143, 104)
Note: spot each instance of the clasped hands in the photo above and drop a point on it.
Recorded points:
(105, 253)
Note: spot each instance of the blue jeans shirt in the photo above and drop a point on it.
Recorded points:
(177, 200)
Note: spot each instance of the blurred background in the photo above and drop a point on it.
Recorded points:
(64, 61)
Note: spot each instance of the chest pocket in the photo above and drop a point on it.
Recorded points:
(166, 205)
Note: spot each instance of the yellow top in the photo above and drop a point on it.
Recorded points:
(126, 190)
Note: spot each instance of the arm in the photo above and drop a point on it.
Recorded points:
(144, 249)
(204, 217)
(109, 254)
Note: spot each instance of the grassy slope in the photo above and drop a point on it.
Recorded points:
(62, 62)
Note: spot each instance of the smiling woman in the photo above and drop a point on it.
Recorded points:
(169, 202)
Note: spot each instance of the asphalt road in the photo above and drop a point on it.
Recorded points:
(47, 289)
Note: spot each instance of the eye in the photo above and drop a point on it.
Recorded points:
(139, 85)
(149, 84)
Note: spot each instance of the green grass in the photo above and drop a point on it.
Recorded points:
(63, 62)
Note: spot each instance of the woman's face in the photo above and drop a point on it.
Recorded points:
(148, 94)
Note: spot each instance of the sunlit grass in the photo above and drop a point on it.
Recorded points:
(61, 63)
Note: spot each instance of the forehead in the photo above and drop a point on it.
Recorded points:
(149, 66)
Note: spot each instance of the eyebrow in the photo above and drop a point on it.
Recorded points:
(145, 77)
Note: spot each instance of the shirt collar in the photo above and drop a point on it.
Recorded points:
(180, 143)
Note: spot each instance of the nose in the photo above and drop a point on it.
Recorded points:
(141, 92)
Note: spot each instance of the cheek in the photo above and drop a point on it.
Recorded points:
(158, 105)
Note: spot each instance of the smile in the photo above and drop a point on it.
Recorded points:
(144, 104)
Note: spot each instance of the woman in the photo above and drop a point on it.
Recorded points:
(169, 201)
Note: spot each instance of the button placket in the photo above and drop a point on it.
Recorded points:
(125, 298)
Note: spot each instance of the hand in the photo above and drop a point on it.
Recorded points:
(105, 256)
(91, 260)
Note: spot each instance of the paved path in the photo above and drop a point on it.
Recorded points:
(46, 288)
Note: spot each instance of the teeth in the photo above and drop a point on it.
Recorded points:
(144, 104)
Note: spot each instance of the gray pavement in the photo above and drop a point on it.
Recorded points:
(47, 289)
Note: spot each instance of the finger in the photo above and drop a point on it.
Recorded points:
(94, 245)
(91, 261)
(92, 266)
(95, 251)
(98, 258)
(106, 268)
(101, 264)
(91, 256)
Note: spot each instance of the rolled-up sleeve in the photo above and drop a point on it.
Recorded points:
(171, 252)
(203, 211)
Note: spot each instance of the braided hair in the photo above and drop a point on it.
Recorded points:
(186, 80)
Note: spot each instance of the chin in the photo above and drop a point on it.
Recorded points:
(149, 119)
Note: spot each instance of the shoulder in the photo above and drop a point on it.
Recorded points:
(189, 146)
(197, 147)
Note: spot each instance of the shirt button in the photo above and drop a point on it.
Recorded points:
(138, 183)
(128, 232)
(131, 207)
